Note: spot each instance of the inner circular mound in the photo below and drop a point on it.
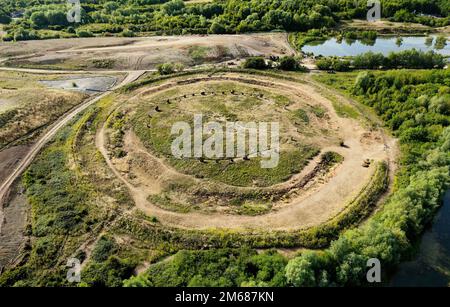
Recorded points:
(140, 137)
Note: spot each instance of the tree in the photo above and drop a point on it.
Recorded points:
(173, 7)
(352, 270)
(39, 19)
(277, 19)
(56, 18)
(4, 17)
(369, 60)
(217, 28)
(300, 272)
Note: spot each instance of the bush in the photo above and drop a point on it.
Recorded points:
(369, 60)
(109, 273)
(84, 33)
(166, 69)
(255, 63)
(415, 59)
(333, 63)
(105, 247)
(127, 33)
(21, 34)
(289, 63)
(217, 28)
(39, 19)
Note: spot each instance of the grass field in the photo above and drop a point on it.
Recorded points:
(116, 200)
(26, 105)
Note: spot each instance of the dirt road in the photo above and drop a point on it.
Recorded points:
(34, 150)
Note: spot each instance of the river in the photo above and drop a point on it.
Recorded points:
(431, 265)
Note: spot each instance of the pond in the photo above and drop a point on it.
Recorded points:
(333, 47)
(431, 266)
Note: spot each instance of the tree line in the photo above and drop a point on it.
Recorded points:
(413, 59)
(220, 16)
(416, 106)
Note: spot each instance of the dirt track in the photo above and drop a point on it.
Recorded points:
(34, 150)
(314, 208)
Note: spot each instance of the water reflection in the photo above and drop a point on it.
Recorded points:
(431, 266)
(352, 47)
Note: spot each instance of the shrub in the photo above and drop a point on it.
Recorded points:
(84, 33)
(217, 28)
(104, 248)
(333, 63)
(127, 33)
(289, 63)
(166, 69)
(4, 17)
(255, 63)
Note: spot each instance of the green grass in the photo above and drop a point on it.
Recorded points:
(345, 110)
(253, 209)
(163, 200)
(319, 111)
(198, 53)
(301, 115)
(158, 138)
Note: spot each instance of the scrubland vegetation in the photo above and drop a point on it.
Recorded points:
(73, 216)
(288, 63)
(412, 59)
(415, 106)
(410, 102)
(80, 208)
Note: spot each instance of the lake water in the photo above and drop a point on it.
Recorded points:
(431, 266)
(332, 47)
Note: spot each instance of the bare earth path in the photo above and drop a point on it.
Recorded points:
(34, 150)
(311, 209)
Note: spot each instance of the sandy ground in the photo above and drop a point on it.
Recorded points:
(313, 208)
(144, 52)
(34, 149)
(9, 159)
(12, 235)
